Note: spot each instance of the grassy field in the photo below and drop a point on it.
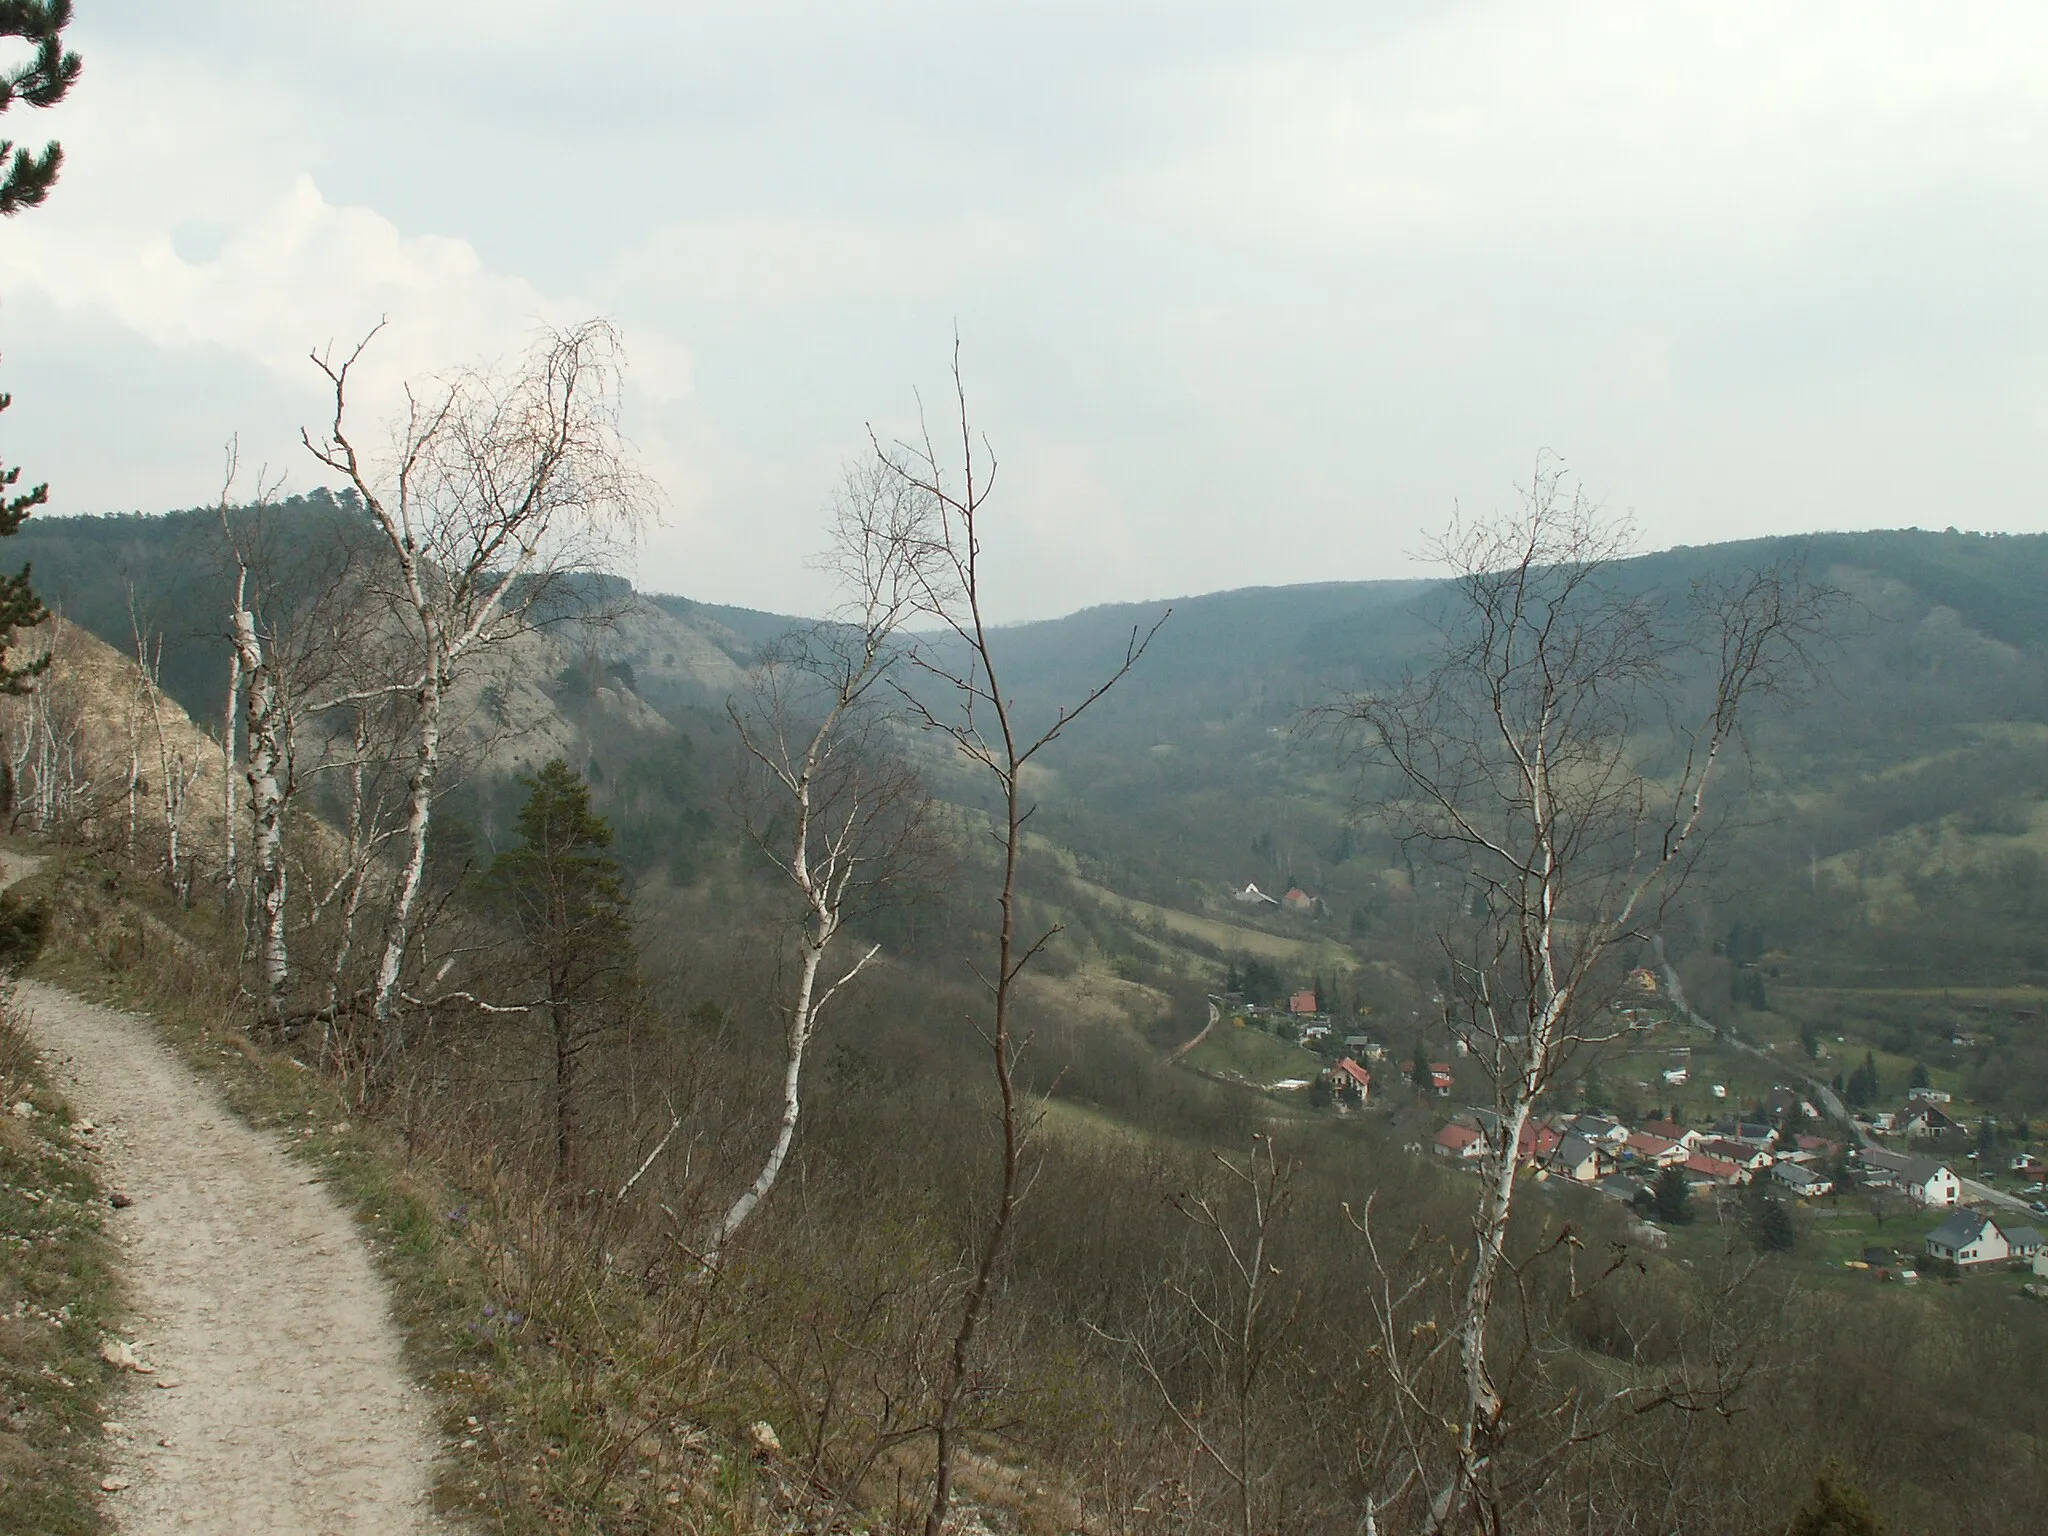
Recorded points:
(1227, 937)
(1254, 1055)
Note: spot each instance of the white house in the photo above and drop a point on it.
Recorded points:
(1574, 1158)
(1599, 1130)
(1921, 1178)
(1969, 1240)
(1803, 1182)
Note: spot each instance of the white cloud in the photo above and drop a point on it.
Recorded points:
(1247, 294)
(294, 274)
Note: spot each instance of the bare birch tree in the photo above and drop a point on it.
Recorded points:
(299, 634)
(176, 774)
(978, 718)
(843, 815)
(1559, 760)
(499, 484)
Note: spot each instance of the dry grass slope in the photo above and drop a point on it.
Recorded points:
(57, 1300)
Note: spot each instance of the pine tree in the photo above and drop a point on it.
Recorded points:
(1771, 1225)
(564, 893)
(1836, 1507)
(1671, 1196)
(42, 82)
(25, 181)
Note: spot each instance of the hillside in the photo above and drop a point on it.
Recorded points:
(1902, 839)
(1860, 838)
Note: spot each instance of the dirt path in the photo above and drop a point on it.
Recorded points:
(278, 1403)
(1185, 1046)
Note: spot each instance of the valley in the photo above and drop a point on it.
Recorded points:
(1241, 958)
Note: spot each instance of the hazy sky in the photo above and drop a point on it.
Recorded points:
(1248, 293)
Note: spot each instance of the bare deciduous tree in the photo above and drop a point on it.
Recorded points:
(844, 816)
(176, 772)
(1238, 1316)
(299, 632)
(1548, 761)
(500, 484)
(974, 714)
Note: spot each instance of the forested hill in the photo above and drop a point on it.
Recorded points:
(1906, 795)
(1903, 799)
(1966, 607)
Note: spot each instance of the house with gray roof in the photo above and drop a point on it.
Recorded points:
(1599, 1130)
(2024, 1242)
(1969, 1240)
(1574, 1158)
(1921, 1178)
(1801, 1180)
(1624, 1187)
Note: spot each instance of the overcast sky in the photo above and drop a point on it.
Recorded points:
(1247, 293)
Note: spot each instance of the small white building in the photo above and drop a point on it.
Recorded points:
(1802, 1181)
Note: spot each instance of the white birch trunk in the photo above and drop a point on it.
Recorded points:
(227, 738)
(398, 933)
(798, 1041)
(265, 725)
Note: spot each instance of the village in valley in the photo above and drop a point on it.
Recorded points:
(1898, 1194)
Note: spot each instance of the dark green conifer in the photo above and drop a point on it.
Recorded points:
(25, 181)
(1836, 1507)
(565, 895)
(1671, 1196)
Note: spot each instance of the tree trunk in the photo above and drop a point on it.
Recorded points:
(565, 1085)
(980, 1289)
(799, 1039)
(1482, 1398)
(398, 932)
(266, 810)
(227, 736)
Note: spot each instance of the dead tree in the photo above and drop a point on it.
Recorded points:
(501, 484)
(838, 814)
(961, 698)
(1547, 766)
(1239, 1316)
(176, 774)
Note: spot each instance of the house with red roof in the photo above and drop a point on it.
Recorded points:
(1745, 1155)
(1440, 1078)
(1538, 1141)
(1462, 1142)
(1352, 1075)
(1656, 1150)
(1670, 1130)
(1700, 1168)
(1303, 1002)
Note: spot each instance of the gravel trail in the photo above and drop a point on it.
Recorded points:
(277, 1403)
